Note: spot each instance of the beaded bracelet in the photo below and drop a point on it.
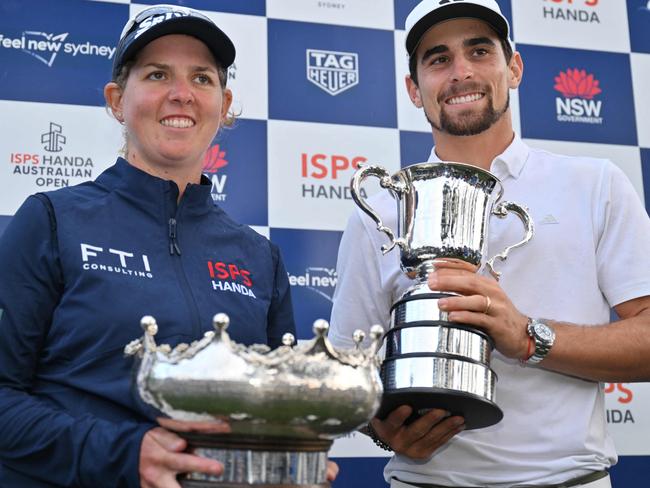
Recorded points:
(368, 430)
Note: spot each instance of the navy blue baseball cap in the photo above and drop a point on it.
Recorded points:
(161, 20)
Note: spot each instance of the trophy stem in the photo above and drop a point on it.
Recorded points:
(264, 462)
(424, 270)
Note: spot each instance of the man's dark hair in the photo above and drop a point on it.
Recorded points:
(413, 59)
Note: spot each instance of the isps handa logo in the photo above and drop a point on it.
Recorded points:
(623, 395)
(230, 277)
(55, 167)
(214, 161)
(332, 71)
(321, 281)
(577, 103)
(571, 10)
(328, 175)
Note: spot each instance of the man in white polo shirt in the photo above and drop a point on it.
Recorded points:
(548, 315)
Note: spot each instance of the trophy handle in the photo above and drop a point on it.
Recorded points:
(501, 211)
(385, 181)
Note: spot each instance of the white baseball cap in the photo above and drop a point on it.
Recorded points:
(429, 12)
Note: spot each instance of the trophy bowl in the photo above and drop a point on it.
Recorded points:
(443, 212)
(269, 416)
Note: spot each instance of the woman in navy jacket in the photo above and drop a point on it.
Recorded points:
(82, 265)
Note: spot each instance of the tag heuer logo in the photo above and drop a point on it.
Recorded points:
(332, 71)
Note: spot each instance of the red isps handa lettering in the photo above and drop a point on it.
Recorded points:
(627, 393)
(222, 271)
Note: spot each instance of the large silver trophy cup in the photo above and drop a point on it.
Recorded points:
(443, 211)
(268, 415)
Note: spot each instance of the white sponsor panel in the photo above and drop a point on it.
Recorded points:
(248, 76)
(357, 13)
(356, 444)
(310, 167)
(627, 158)
(581, 24)
(48, 146)
(628, 417)
(262, 230)
(409, 117)
(514, 110)
(640, 64)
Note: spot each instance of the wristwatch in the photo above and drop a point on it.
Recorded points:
(543, 336)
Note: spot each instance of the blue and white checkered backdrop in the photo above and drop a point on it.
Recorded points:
(320, 88)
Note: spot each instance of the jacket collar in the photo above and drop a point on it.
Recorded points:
(147, 189)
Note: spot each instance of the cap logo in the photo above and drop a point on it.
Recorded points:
(149, 22)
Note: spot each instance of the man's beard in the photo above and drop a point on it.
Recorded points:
(470, 124)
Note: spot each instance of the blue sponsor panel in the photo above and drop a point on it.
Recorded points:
(638, 15)
(403, 7)
(236, 164)
(360, 472)
(310, 259)
(4, 222)
(415, 147)
(631, 472)
(252, 7)
(58, 52)
(332, 74)
(645, 169)
(577, 95)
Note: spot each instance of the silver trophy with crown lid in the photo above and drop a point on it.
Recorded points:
(269, 416)
(443, 211)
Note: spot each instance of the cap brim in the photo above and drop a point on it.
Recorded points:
(455, 11)
(214, 38)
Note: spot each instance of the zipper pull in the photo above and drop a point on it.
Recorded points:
(173, 244)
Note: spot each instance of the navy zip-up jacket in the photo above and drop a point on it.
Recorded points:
(79, 268)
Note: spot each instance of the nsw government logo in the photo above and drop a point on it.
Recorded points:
(215, 160)
(51, 169)
(577, 103)
(332, 71)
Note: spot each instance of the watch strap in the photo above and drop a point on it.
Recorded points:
(542, 346)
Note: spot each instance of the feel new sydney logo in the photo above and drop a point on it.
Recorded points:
(46, 46)
(578, 103)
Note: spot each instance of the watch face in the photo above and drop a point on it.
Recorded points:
(543, 331)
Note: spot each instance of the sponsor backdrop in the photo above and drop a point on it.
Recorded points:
(319, 85)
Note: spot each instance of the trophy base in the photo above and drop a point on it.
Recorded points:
(478, 412)
(435, 380)
(262, 462)
(204, 484)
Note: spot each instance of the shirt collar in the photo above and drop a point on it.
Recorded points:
(510, 162)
